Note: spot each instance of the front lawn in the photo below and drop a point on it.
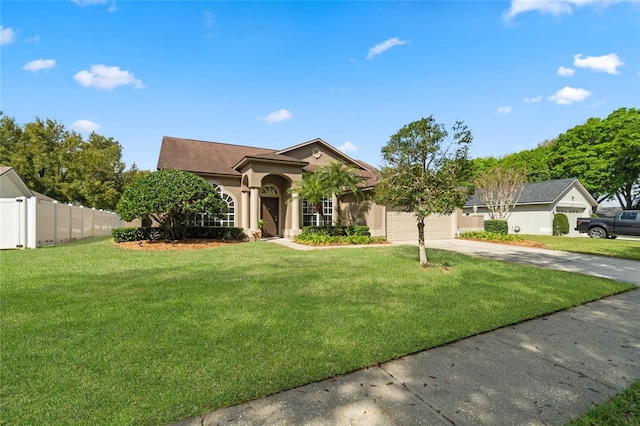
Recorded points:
(95, 334)
(624, 249)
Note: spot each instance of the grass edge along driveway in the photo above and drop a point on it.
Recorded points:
(92, 333)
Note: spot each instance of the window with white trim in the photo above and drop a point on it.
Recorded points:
(312, 218)
(227, 219)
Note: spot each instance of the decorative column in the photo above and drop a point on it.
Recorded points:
(334, 213)
(254, 214)
(295, 214)
(245, 210)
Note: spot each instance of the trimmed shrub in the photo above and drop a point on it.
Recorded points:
(122, 235)
(497, 226)
(560, 224)
(215, 233)
(489, 236)
(337, 231)
(337, 235)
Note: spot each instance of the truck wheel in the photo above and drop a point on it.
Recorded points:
(597, 232)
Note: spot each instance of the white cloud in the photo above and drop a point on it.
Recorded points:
(39, 64)
(566, 72)
(7, 35)
(553, 7)
(533, 100)
(385, 45)
(105, 78)
(83, 3)
(504, 110)
(568, 95)
(348, 147)
(35, 39)
(276, 116)
(606, 63)
(85, 126)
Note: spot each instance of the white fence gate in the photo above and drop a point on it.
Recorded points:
(31, 222)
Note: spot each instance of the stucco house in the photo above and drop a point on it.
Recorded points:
(255, 184)
(533, 213)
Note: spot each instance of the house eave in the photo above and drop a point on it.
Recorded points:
(248, 159)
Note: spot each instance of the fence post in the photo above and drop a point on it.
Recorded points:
(55, 222)
(32, 223)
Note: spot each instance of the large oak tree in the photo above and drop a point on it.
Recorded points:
(62, 165)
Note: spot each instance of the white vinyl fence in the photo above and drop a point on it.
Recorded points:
(31, 222)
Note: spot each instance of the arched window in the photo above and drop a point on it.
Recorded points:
(269, 191)
(228, 218)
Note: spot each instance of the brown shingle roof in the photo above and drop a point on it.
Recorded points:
(204, 157)
(221, 159)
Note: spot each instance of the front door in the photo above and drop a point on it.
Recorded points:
(270, 209)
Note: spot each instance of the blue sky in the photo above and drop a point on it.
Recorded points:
(276, 74)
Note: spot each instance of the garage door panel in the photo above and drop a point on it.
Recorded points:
(402, 226)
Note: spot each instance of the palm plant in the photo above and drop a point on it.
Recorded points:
(336, 178)
(312, 190)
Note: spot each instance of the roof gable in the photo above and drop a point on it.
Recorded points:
(322, 145)
(11, 185)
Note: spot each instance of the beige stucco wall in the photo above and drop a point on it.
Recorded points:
(364, 212)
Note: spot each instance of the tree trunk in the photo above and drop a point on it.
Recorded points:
(421, 246)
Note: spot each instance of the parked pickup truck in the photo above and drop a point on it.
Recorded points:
(626, 222)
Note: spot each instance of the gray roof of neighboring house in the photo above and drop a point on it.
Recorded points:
(545, 192)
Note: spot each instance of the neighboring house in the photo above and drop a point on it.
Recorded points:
(255, 184)
(533, 214)
(29, 219)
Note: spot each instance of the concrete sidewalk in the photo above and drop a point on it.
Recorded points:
(540, 372)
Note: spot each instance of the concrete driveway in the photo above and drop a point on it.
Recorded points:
(623, 270)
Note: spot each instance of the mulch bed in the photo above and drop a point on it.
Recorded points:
(192, 244)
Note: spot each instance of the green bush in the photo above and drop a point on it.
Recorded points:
(497, 226)
(215, 233)
(337, 231)
(560, 224)
(337, 235)
(123, 235)
(489, 236)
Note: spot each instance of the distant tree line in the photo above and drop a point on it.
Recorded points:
(62, 165)
(604, 154)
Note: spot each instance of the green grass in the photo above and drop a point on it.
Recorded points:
(95, 334)
(624, 249)
(621, 410)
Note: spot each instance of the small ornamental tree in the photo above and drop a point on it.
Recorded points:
(500, 189)
(425, 170)
(171, 198)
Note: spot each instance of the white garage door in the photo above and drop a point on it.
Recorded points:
(402, 227)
